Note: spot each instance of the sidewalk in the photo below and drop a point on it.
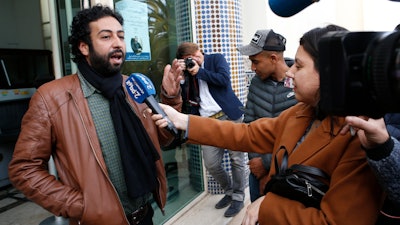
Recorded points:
(204, 213)
(15, 209)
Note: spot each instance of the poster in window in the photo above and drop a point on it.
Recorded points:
(136, 28)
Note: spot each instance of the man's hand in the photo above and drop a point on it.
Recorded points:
(256, 167)
(173, 74)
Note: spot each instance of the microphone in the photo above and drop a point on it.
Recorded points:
(141, 89)
(287, 8)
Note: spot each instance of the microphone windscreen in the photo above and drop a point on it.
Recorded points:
(287, 8)
(139, 87)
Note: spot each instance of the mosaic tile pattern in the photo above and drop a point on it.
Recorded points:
(217, 28)
(195, 167)
(183, 21)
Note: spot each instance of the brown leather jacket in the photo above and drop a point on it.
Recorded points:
(58, 123)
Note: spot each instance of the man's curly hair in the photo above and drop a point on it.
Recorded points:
(80, 31)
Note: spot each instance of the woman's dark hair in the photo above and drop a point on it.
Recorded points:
(80, 31)
(310, 39)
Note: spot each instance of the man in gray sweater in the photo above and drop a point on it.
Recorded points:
(267, 96)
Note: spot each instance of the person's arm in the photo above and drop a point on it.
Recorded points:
(29, 171)
(219, 75)
(225, 134)
(383, 152)
(385, 160)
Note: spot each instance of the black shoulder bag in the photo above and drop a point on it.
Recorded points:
(305, 184)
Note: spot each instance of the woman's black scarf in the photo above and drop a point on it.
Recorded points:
(138, 153)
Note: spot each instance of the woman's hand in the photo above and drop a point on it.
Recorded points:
(179, 120)
(251, 216)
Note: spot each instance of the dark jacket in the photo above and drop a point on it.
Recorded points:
(392, 121)
(216, 73)
(58, 123)
(266, 98)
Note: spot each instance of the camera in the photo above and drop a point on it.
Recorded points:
(359, 73)
(189, 63)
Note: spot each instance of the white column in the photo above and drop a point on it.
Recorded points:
(109, 3)
(55, 40)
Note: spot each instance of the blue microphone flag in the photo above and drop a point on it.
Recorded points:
(142, 90)
(140, 87)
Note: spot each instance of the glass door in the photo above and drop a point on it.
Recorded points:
(158, 26)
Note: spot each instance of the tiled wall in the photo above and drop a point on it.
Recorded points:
(217, 28)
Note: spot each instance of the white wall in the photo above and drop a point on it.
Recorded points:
(381, 15)
(355, 15)
(254, 18)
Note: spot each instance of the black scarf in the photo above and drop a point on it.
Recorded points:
(191, 94)
(138, 153)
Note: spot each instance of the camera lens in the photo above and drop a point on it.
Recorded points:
(360, 73)
(382, 70)
(189, 63)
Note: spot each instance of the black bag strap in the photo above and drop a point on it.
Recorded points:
(301, 168)
(284, 164)
(310, 170)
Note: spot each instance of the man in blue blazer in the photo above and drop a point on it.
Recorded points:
(207, 91)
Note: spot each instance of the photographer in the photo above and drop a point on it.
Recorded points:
(207, 91)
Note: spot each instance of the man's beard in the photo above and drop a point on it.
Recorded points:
(101, 63)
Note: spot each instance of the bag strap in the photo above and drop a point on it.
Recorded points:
(301, 168)
(391, 209)
(310, 170)
(284, 164)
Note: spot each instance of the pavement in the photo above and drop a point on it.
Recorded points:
(15, 209)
